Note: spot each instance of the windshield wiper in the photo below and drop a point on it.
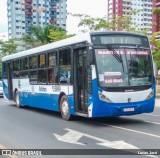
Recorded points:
(115, 54)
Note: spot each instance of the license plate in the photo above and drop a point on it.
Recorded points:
(128, 109)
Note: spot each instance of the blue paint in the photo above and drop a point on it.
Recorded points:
(43, 101)
(5, 90)
(105, 109)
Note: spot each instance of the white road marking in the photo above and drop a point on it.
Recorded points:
(73, 136)
(70, 137)
(152, 115)
(157, 123)
(131, 130)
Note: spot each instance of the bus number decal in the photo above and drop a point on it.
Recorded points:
(56, 88)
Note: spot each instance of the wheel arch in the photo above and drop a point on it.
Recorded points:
(59, 99)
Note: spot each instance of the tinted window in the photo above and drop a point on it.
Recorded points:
(65, 57)
(33, 62)
(42, 76)
(16, 65)
(33, 77)
(16, 69)
(52, 59)
(5, 72)
(53, 75)
(42, 61)
(65, 66)
(24, 74)
(24, 64)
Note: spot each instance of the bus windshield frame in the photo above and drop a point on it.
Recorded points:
(130, 63)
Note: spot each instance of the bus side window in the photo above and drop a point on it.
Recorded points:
(52, 68)
(65, 66)
(16, 69)
(5, 72)
(42, 61)
(33, 62)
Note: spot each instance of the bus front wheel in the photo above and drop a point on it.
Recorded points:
(17, 99)
(64, 108)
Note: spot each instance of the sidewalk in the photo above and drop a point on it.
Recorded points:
(158, 89)
(157, 102)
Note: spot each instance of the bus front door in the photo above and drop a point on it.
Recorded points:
(9, 78)
(80, 81)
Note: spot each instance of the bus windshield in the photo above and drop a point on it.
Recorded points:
(125, 63)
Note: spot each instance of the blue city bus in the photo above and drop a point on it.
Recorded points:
(97, 74)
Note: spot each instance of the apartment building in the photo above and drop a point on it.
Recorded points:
(156, 17)
(25, 13)
(143, 19)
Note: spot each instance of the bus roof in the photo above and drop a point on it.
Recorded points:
(62, 43)
(85, 37)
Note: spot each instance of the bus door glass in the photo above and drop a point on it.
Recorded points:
(80, 80)
(9, 78)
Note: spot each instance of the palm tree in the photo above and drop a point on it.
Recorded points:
(41, 35)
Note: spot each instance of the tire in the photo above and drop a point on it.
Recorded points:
(64, 108)
(17, 100)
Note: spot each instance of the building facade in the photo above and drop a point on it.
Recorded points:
(156, 17)
(143, 18)
(25, 13)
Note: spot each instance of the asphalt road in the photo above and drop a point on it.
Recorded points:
(30, 128)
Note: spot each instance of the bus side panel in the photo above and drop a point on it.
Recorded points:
(5, 89)
(43, 96)
(70, 98)
(40, 100)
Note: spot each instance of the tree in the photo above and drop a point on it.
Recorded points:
(156, 48)
(156, 10)
(120, 23)
(43, 35)
(38, 36)
(7, 48)
(56, 35)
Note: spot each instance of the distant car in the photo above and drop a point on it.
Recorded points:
(1, 89)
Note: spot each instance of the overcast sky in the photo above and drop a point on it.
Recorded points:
(91, 7)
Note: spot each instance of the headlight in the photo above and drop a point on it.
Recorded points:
(103, 97)
(150, 95)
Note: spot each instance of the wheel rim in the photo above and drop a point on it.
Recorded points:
(17, 99)
(65, 107)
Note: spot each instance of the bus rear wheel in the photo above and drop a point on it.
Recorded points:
(64, 108)
(17, 99)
